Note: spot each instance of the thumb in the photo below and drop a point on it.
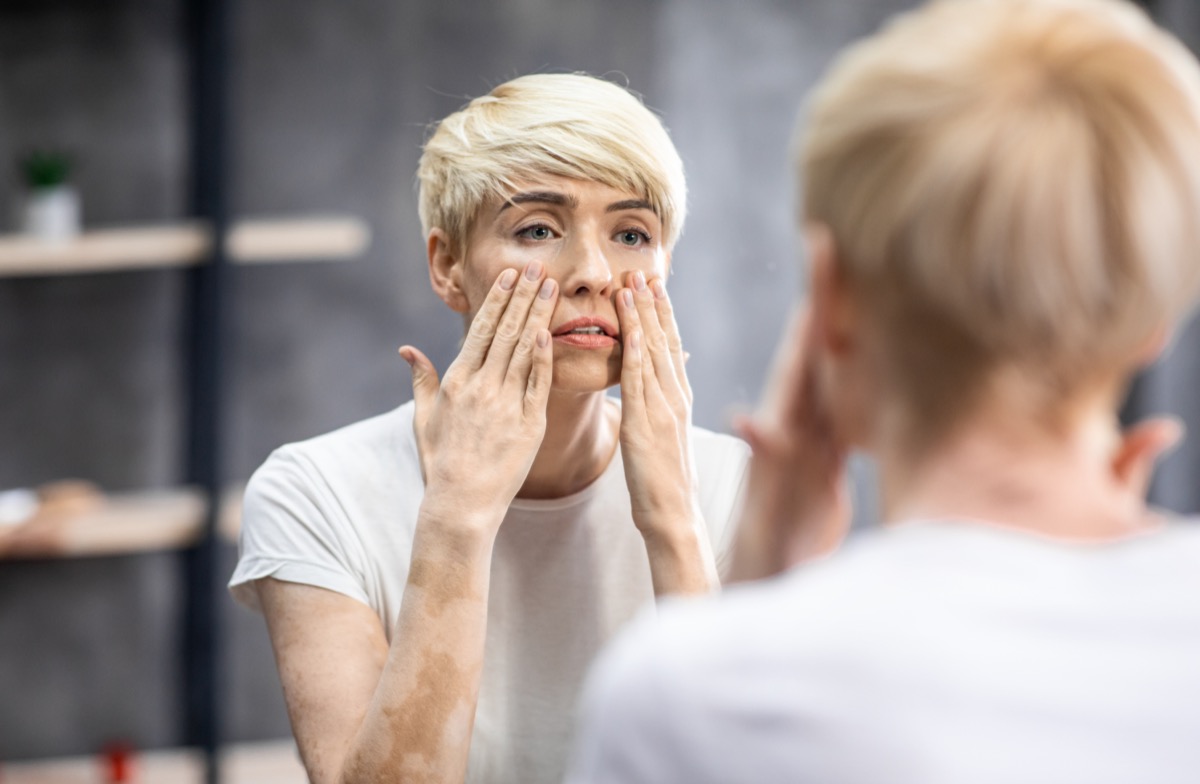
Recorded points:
(425, 389)
(1139, 449)
(424, 376)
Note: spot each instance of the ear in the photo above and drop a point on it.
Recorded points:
(834, 314)
(446, 270)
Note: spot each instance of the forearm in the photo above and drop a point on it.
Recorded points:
(681, 558)
(418, 726)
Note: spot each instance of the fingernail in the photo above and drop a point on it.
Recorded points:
(405, 355)
(639, 281)
(534, 270)
(627, 297)
(547, 289)
(543, 338)
(660, 291)
(508, 279)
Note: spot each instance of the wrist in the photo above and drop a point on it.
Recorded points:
(669, 532)
(455, 521)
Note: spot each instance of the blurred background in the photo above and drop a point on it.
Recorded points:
(327, 106)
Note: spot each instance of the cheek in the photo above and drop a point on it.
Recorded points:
(654, 262)
(486, 264)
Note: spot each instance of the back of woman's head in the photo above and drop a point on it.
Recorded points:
(1011, 183)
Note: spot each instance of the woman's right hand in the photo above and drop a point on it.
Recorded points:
(479, 428)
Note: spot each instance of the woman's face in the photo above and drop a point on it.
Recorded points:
(589, 237)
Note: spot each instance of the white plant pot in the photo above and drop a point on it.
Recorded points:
(51, 214)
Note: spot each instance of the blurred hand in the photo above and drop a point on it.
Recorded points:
(797, 503)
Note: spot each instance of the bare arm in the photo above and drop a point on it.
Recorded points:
(365, 712)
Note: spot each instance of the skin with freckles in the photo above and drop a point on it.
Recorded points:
(561, 286)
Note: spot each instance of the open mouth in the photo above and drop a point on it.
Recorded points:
(587, 332)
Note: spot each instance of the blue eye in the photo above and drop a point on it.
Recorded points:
(537, 233)
(632, 238)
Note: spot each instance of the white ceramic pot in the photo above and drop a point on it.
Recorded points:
(52, 214)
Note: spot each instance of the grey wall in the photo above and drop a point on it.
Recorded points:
(331, 100)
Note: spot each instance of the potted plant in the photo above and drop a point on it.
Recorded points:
(51, 206)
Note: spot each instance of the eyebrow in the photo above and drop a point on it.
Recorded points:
(629, 204)
(541, 197)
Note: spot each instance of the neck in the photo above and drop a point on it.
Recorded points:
(997, 468)
(580, 441)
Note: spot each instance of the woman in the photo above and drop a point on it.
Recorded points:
(436, 580)
(1002, 215)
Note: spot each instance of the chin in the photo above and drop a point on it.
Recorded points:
(586, 374)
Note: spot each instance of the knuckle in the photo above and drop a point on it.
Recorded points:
(508, 331)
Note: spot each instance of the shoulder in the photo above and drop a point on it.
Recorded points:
(381, 434)
(351, 454)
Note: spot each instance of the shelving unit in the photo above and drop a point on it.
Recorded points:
(196, 516)
(122, 524)
(323, 238)
(273, 762)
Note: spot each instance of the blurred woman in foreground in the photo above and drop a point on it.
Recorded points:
(1002, 216)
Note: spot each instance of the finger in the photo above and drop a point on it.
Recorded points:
(541, 374)
(657, 351)
(632, 392)
(791, 376)
(670, 328)
(483, 326)
(1140, 448)
(527, 348)
(512, 323)
(745, 428)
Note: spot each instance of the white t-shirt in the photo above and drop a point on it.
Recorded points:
(930, 653)
(339, 512)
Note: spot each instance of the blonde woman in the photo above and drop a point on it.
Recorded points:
(436, 580)
(1002, 216)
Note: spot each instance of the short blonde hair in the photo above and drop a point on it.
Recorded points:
(569, 125)
(1016, 181)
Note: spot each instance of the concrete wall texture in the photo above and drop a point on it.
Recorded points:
(330, 105)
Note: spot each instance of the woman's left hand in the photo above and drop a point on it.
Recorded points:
(656, 448)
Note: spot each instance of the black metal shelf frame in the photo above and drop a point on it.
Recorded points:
(206, 320)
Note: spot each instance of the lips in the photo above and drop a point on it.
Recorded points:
(587, 332)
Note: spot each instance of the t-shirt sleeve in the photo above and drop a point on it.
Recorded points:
(293, 530)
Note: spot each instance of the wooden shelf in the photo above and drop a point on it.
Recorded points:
(272, 762)
(123, 523)
(112, 524)
(184, 244)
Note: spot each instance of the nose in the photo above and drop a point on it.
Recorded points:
(583, 268)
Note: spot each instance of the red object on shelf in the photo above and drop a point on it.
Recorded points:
(118, 763)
